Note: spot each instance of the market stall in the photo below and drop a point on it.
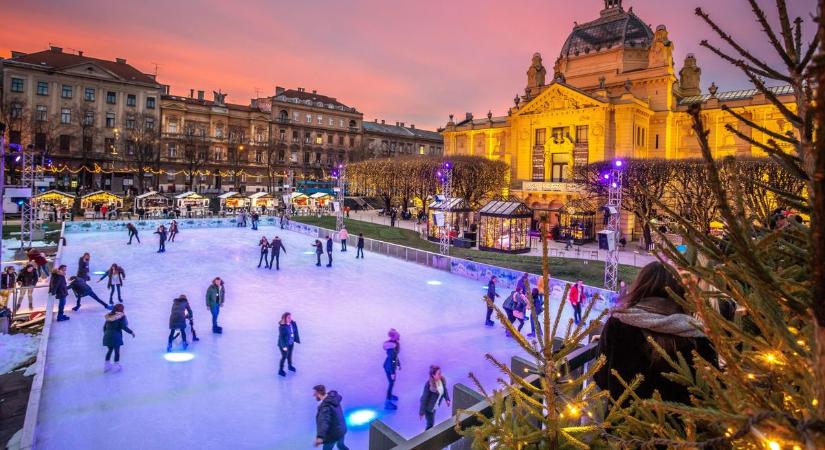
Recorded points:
(321, 199)
(53, 204)
(263, 202)
(578, 225)
(504, 227)
(151, 204)
(299, 201)
(457, 215)
(191, 204)
(233, 201)
(100, 204)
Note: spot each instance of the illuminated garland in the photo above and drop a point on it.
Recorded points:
(223, 173)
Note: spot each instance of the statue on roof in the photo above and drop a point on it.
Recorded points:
(535, 75)
(661, 50)
(689, 77)
(219, 97)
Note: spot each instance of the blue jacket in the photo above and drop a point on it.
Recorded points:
(57, 285)
(80, 287)
(329, 245)
(113, 329)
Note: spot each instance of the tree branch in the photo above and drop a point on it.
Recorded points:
(750, 123)
(766, 27)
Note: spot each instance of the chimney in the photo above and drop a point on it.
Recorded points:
(56, 49)
(80, 53)
(412, 126)
(314, 92)
(300, 89)
(254, 103)
(120, 60)
(165, 89)
(382, 121)
(396, 123)
(376, 120)
(17, 54)
(200, 95)
(191, 93)
(279, 90)
(468, 116)
(402, 124)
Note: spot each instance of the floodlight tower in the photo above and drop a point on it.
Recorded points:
(2, 178)
(290, 188)
(614, 209)
(30, 227)
(341, 174)
(446, 175)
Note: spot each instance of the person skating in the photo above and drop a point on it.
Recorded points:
(255, 218)
(214, 301)
(330, 426)
(491, 295)
(287, 338)
(133, 233)
(116, 276)
(264, 245)
(173, 230)
(161, 232)
(58, 288)
(329, 250)
(177, 321)
(319, 250)
(519, 311)
(83, 267)
(343, 236)
(537, 308)
(359, 247)
(113, 329)
(27, 280)
(391, 365)
(82, 289)
(435, 390)
(576, 297)
(275, 252)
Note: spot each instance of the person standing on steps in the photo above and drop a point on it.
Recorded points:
(161, 238)
(133, 233)
(58, 288)
(82, 289)
(177, 320)
(435, 390)
(329, 250)
(359, 247)
(330, 426)
(264, 244)
(576, 296)
(173, 230)
(491, 295)
(319, 250)
(113, 329)
(287, 338)
(343, 236)
(83, 267)
(116, 275)
(275, 252)
(214, 301)
(391, 365)
(27, 280)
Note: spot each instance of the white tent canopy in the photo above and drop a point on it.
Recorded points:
(319, 195)
(229, 194)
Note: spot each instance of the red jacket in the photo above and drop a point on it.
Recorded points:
(37, 257)
(575, 296)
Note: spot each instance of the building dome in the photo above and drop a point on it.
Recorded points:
(615, 28)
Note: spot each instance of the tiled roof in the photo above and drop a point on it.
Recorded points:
(314, 97)
(741, 94)
(57, 60)
(484, 121)
(195, 101)
(396, 130)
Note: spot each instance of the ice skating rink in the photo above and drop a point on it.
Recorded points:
(230, 395)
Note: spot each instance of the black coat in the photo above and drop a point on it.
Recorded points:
(319, 248)
(430, 400)
(8, 280)
(177, 318)
(277, 245)
(57, 285)
(360, 243)
(329, 419)
(161, 235)
(27, 279)
(329, 245)
(113, 330)
(627, 351)
(491, 291)
(109, 274)
(80, 287)
(284, 338)
(83, 269)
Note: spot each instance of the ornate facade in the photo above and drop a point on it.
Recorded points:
(382, 140)
(615, 93)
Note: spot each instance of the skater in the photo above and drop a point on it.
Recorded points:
(287, 338)
(319, 250)
(214, 301)
(359, 247)
(27, 280)
(39, 259)
(343, 236)
(116, 275)
(57, 287)
(173, 230)
(537, 308)
(177, 320)
(83, 267)
(82, 289)
(264, 244)
(391, 364)
(519, 310)
(275, 253)
(331, 428)
(435, 390)
(255, 218)
(8, 283)
(491, 295)
(133, 233)
(113, 329)
(161, 232)
(523, 284)
(576, 296)
(329, 250)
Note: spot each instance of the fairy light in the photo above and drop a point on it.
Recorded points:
(573, 410)
(751, 376)
(773, 445)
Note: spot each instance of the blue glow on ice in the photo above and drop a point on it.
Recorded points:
(361, 417)
(309, 253)
(434, 283)
(682, 248)
(99, 272)
(179, 357)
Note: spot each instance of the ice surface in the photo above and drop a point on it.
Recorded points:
(230, 395)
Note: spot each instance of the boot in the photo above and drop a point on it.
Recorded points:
(111, 302)
(185, 345)
(75, 308)
(107, 366)
(389, 405)
(282, 373)
(394, 398)
(116, 367)
(169, 348)
(292, 369)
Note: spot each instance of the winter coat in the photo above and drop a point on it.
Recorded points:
(360, 242)
(491, 291)
(8, 280)
(627, 351)
(113, 329)
(430, 400)
(57, 285)
(80, 287)
(173, 227)
(161, 235)
(391, 362)
(37, 257)
(118, 281)
(329, 419)
(277, 245)
(131, 228)
(180, 309)
(575, 296)
(27, 279)
(288, 335)
(214, 296)
(343, 235)
(83, 269)
(329, 245)
(319, 248)
(264, 244)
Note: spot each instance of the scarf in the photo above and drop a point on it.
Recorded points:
(649, 317)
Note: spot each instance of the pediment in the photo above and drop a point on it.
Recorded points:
(90, 69)
(558, 96)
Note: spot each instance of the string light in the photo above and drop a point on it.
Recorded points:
(773, 445)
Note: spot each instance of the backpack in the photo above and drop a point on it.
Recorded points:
(509, 303)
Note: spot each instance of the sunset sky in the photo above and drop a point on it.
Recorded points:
(415, 62)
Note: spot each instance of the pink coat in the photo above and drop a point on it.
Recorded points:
(343, 235)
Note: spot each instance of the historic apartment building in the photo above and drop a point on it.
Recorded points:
(83, 111)
(614, 92)
(382, 140)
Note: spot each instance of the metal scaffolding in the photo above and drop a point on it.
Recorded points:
(339, 196)
(446, 174)
(614, 206)
(290, 188)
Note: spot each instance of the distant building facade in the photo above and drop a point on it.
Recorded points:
(382, 140)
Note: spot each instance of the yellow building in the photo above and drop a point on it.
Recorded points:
(615, 93)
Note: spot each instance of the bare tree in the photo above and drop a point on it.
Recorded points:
(237, 153)
(142, 147)
(89, 131)
(195, 150)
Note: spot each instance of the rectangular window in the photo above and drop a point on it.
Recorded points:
(111, 97)
(42, 88)
(282, 135)
(541, 136)
(40, 140)
(40, 113)
(309, 118)
(131, 100)
(420, 149)
(307, 137)
(110, 120)
(281, 155)
(65, 142)
(89, 118)
(150, 102)
(130, 123)
(306, 157)
(295, 116)
(351, 141)
(66, 91)
(331, 122)
(318, 157)
(319, 139)
(172, 126)
(172, 148)
(559, 134)
(87, 144)
(149, 124)
(17, 85)
(65, 115)
(341, 140)
(130, 147)
(329, 139)
(89, 94)
(109, 145)
(259, 157)
(295, 137)
(558, 169)
(341, 123)
(581, 134)
(17, 110)
(320, 119)
(657, 141)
